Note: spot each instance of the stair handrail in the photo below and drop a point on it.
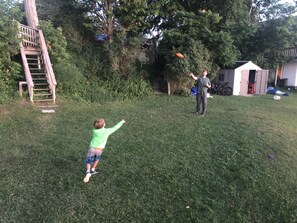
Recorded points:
(48, 65)
(28, 76)
(28, 37)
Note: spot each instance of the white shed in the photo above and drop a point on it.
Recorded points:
(245, 77)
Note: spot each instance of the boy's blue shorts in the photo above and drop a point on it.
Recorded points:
(93, 155)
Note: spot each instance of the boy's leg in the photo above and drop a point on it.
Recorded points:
(88, 167)
(93, 170)
(95, 164)
(88, 175)
(88, 172)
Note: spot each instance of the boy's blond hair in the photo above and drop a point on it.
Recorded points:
(99, 123)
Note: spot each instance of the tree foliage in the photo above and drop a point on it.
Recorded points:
(200, 34)
(269, 39)
(209, 34)
(234, 30)
(9, 45)
(227, 29)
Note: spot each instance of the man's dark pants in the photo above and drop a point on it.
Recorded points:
(201, 98)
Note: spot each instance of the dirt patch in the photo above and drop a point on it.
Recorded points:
(5, 113)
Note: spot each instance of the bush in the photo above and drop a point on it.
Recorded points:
(9, 69)
(129, 87)
(70, 81)
(56, 41)
(73, 84)
(97, 92)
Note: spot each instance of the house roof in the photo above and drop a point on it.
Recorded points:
(249, 65)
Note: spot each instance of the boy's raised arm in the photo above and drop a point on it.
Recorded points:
(116, 127)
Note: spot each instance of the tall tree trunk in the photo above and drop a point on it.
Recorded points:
(109, 20)
(31, 13)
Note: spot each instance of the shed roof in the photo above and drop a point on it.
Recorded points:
(249, 65)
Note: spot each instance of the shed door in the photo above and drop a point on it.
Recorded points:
(261, 81)
(244, 82)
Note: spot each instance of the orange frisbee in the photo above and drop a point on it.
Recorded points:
(179, 55)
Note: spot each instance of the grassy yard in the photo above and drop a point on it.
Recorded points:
(236, 164)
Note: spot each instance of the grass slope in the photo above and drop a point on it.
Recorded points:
(165, 165)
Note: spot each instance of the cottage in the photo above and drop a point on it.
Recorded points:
(245, 77)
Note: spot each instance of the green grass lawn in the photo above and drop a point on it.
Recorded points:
(164, 165)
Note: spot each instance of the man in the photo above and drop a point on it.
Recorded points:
(203, 83)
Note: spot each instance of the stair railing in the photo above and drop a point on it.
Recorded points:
(29, 80)
(48, 66)
(29, 36)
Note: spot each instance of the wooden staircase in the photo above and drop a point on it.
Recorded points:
(40, 77)
(157, 85)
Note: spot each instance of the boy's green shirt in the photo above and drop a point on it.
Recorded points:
(100, 136)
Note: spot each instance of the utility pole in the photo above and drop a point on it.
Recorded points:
(31, 13)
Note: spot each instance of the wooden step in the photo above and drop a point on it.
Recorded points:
(32, 48)
(41, 89)
(43, 100)
(35, 62)
(36, 65)
(40, 84)
(34, 57)
(43, 94)
(46, 107)
(36, 68)
(32, 52)
(45, 104)
(38, 74)
(157, 86)
(38, 79)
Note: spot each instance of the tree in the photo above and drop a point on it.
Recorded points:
(197, 21)
(269, 39)
(102, 16)
(229, 31)
(273, 30)
(9, 42)
(31, 13)
(234, 30)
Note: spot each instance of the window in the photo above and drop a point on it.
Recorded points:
(221, 77)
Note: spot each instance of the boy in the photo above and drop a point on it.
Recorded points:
(203, 84)
(97, 145)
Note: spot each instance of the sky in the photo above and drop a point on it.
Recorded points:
(288, 1)
(292, 2)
